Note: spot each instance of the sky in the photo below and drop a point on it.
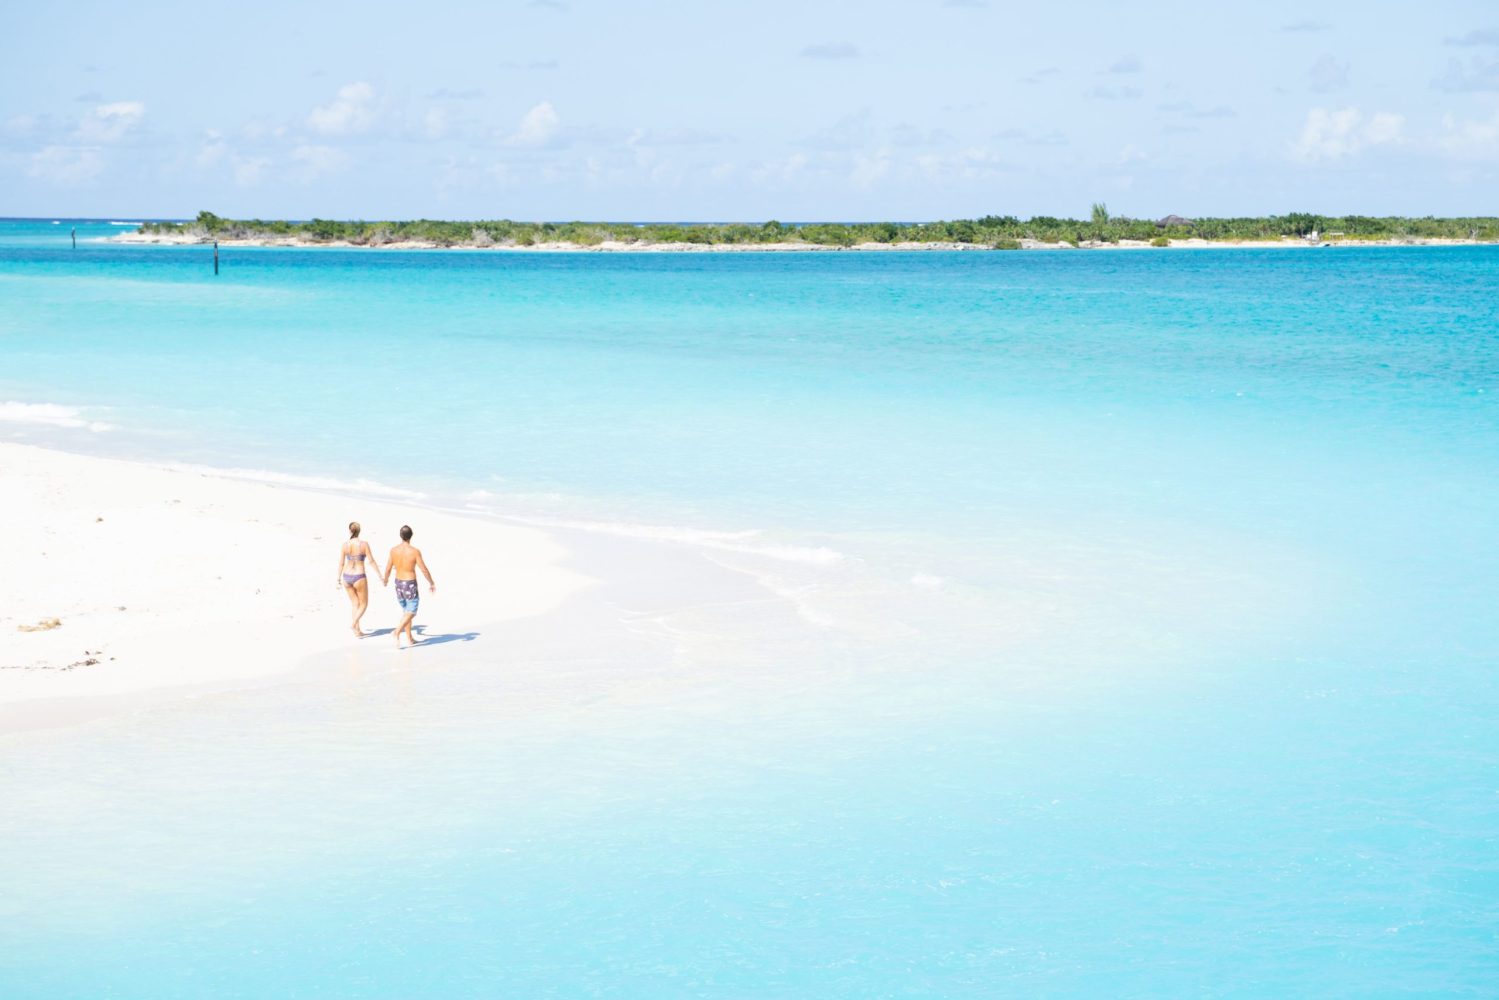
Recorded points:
(747, 109)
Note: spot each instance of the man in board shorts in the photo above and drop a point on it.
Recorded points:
(405, 559)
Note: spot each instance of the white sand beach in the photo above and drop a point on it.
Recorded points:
(126, 578)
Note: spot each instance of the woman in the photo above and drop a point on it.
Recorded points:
(351, 578)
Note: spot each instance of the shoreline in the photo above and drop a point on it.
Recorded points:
(164, 582)
(642, 246)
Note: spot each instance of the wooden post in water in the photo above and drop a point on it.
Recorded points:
(215, 256)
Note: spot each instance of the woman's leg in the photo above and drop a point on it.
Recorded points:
(353, 604)
(361, 603)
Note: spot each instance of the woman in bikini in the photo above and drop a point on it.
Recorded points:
(351, 557)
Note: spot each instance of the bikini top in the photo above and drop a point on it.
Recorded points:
(354, 558)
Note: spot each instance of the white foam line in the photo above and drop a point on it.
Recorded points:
(50, 415)
(55, 415)
(365, 486)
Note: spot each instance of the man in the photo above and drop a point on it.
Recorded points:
(405, 559)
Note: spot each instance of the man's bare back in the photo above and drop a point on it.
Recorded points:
(405, 559)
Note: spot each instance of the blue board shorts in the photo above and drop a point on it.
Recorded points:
(406, 596)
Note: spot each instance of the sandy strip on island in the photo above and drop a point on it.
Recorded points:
(641, 246)
(162, 578)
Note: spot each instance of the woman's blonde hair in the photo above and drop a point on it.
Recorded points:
(353, 529)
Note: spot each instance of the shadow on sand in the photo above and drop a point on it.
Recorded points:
(434, 640)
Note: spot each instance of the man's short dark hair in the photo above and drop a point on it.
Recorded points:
(405, 532)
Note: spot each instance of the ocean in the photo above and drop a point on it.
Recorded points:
(1128, 627)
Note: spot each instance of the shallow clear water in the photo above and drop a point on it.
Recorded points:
(1139, 631)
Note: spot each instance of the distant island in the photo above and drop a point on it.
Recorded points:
(991, 232)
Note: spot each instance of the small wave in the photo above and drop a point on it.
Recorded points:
(368, 487)
(724, 541)
(136, 224)
(50, 415)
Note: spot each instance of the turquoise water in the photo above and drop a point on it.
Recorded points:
(1143, 633)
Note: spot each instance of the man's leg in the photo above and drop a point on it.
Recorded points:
(405, 626)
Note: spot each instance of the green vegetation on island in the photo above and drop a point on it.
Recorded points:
(997, 231)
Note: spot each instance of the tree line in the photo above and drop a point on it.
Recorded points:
(998, 231)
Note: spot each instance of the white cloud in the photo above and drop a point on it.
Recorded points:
(870, 170)
(1480, 74)
(66, 166)
(247, 172)
(1384, 127)
(315, 161)
(218, 154)
(970, 164)
(258, 130)
(352, 110)
(1470, 140)
(537, 127)
(852, 131)
(213, 150)
(784, 171)
(1332, 135)
(1127, 64)
(110, 122)
(18, 124)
